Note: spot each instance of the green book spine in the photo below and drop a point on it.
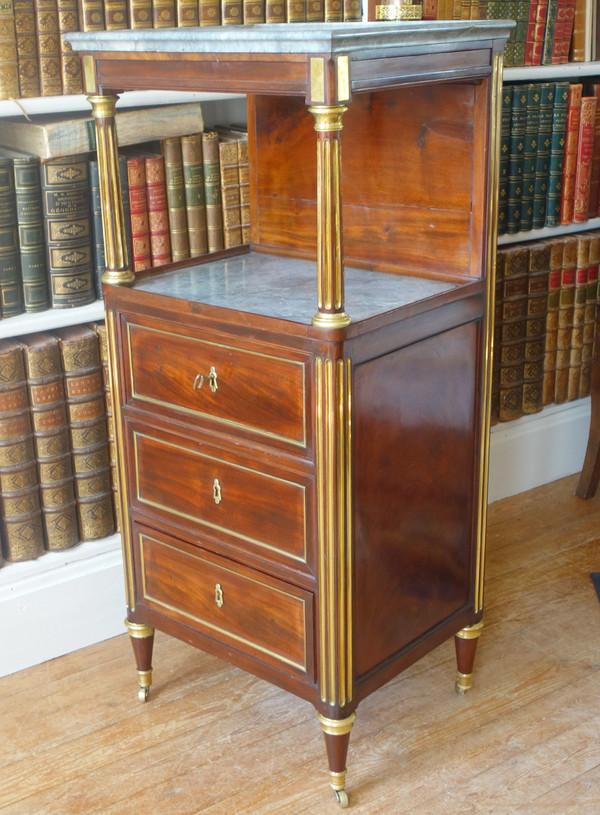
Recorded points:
(515, 159)
(195, 201)
(212, 191)
(550, 33)
(30, 220)
(504, 156)
(542, 165)
(11, 286)
(97, 229)
(557, 150)
(522, 20)
(532, 124)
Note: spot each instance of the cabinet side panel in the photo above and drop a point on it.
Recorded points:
(415, 464)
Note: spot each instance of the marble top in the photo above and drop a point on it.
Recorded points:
(354, 39)
(286, 288)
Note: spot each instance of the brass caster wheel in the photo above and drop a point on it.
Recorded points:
(143, 694)
(341, 796)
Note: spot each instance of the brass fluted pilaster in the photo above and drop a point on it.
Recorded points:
(330, 261)
(118, 271)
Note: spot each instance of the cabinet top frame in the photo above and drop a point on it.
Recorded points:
(323, 62)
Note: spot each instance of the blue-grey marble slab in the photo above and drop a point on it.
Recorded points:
(286, 288)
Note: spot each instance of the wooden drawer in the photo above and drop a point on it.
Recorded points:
(244, 609)
(255, 391)
(194, 486)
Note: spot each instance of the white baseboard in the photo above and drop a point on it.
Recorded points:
(65, 601)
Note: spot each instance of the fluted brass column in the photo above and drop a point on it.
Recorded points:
(118, 271)
(330, 261)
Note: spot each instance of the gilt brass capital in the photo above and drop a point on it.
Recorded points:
(103, 107)
(328, 118)
(336, 727)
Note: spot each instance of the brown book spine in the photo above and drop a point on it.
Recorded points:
(254, 11)
(549, 380)
(115, 14)
(48, 40)
(51, 440)
(138, 213)
(535, 330)
(275, 11)
(164, 14)
(209, 12)
(579, 30)
(212, 191)
(495, 395)
(570, 154)
(187, 13)
(585, 149)
(244, 176)
(579, 302)
(100, 329)
(296, 11)
(594, 90)
(178, 228)
(68, 230)
(232, 12)
(11, 281)
(140, 13)
(195, 201)
(589, 319)
(91, 15)
(158, 211)
(27, 50)
(315, 10)
(86, 413)
(352, 11)
(9, 75)
(565, 319)
(70, 62)
(230, 193)
(512, 333)
(21, 517)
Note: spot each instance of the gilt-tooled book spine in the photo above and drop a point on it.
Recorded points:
(495, 395)
(515, 160)
(275, 10)
(187, 13)
(91, 15)
(512, 333)
(67, 227)
(539, 32)
(115, 14)
(212, 191)
(570, 155)
(594, 90)
(315, 11)
(505, 124)
(559, 32)
(70, 62)
(86, 413)
(11, 286)
(521, 17)
(100, 329)
(140, 13)
(9, 75)
(230, 193)
(97, 228)
(195, 201)
(542, 164)
(535, 330)
(244, 175)
(568, 34)
(565, 318)
(532, 123)
(352, 11)
(334, 11)
(555, 268)
(158, 211)
(48, 40)
(51, 440)
(138, 209)
(589, 317)
(557, 151)
(30, 222)
(579, 303)
(254, 11)
(178, 228)
(296, 11)
(27, 49)
(578, 36)
(585, 150)
(209, 12)
(20, 516)
(232, 12)
(164, 14)
(550, 32)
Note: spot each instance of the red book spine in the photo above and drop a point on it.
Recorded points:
(559, 32)
(585, 150)
(568, 32)
(158, 210)
(138, 210)
(570, 155)
(539, 32)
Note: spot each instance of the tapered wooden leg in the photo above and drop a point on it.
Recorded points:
(142, 641)
(466, 644)
(337, 738)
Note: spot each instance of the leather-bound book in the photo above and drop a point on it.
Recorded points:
(512, 332)
(578, 38)
(140, 13)
(589, 318)
(209, 12)
(158, 213)
(232, 12)
(557, 152)
(195, 201)
(67, 227)
(230, 192)
(178, 228)
(550, 32)
(353, 11)
(569, 24)
(187, 13)
(86, 413)
(20, 516)
(585, 150)
(505, 125)
(91, 15)
(212, 191)
(11, 286)
(70, 62)
(27, 50)
(570, 154)
(141, 257)
(254, 11)
(535, 330)
(495, 396)
(296, 11)
(515, 158)
(51, 440)
(532, 123)
(244, 174)
(542, 163)
(30, 223)
(565, 318)
(315, 11)
(48, 42)
(521, 17)
(275, 10)
(536, 27)
(9, 76)
(115, 14)
(549, 380)
(100, 329)
(593, 89)
(579, 304)
(164, 14)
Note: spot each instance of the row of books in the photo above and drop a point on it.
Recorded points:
(550, 155)
(189, 199)
(547, 297)
(57, 460)
(36, 60)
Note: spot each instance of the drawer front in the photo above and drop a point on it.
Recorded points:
(244, 609)
(258, 509)
(259, 392)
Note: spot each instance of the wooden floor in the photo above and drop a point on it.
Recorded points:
(211, 739)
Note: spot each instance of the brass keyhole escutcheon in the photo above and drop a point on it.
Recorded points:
(213, 382)
(217, 491)
(219, 599)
